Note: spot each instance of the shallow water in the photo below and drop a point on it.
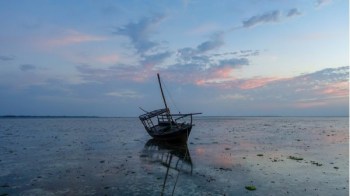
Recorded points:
(115, 156)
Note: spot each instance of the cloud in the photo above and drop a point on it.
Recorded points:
(249, 53)
(186, 54)
(140, 32)
(293, 12)
(198, 60)
(6, 58)
(256, 82)
(73, 37)
(326, 82)
(234, 62)
(274, 16)
(320, 3)
(107, 59)
(140, 71)
(222, 73)
(215, 42)
(155, 59)
(327, 76)
(91, 74)
(212, 74)
(128, 94)
(340, 89)
(269, 17)
(27, 67)
(234, 96)
(203, 66)
(326, 90)
(199, 57)
(117, 72)
(98, 57)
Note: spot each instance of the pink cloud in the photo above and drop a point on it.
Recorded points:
(200, 82)
(223, 78)
(72, 37)
(218, 76)
(330, 93)
(224, 72)
(108, 59)
(340, 89)
(257, 82)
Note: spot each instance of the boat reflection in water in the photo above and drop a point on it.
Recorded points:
(173, 156)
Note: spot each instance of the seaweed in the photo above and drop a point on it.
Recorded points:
(250, 188)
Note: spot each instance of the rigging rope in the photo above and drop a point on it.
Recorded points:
(171, 98)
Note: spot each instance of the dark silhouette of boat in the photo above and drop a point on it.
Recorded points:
(174, 156)
(162, 125)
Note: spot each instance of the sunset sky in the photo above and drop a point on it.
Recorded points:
(234, 57)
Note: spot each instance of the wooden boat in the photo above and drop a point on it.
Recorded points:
(162, 125)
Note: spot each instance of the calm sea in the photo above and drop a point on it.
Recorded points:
(224, 155)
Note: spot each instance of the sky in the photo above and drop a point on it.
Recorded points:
(221, 58)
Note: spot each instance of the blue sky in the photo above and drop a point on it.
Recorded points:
(251, 57)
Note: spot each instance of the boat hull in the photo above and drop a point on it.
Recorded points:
(180, 135)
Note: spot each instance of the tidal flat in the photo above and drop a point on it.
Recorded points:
(223, 156)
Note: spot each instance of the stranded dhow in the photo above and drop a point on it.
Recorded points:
(162, 125)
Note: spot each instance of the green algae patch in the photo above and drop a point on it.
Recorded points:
(296, 158)
(250, 188)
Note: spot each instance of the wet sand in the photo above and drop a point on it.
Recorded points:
(115, 156)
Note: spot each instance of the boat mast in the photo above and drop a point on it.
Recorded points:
(161, 90)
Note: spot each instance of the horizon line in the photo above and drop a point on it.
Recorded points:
(212, 116)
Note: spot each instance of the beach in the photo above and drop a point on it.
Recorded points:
(223, 156)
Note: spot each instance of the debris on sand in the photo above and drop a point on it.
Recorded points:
(296, 158)
(316, 163)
